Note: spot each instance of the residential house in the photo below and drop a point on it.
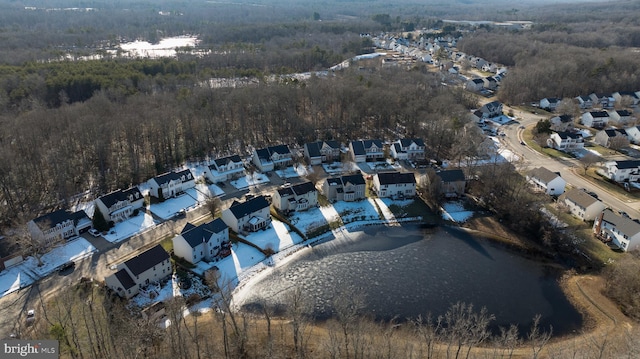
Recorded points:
(394, 185)
(274, 157)
(584, 102)
(225, 169)
(322, 152)
(452, 183)
(621, 231)
(171, 184)
(250, 215)
(207, 241)
(602, 100)
(630, 96)
(366, 150)
(566, 141)
(490, 83)
(622, 171)
(595, 119)
(633, 133)
(549, 103)
(475, 85)
(562, 123)
(119, 205)
(148, 267)
(616, 138)
(620, 116)
(582, 205)
(412, 147)
(298, 197)
(59, 225)
(491, 109)
(549, 182)
(346, 188)
(490, 67)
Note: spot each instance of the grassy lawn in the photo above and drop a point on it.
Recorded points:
(594, 177)
(322, 200)
(527, 136)
(603, 151)
(167, 244)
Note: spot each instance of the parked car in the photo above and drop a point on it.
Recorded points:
(94, 232)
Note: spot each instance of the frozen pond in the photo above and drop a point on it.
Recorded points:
(404, 272)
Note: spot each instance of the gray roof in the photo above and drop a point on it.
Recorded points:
(406, 142)
(451, 176)
(355, 180)
(625, 225)
(565, 135)
(196, 235)
(125, 279)
(313, 148)
(386, 178)
(358, 148)
(131, 194)
(627, 164)
(182, 176)
(219, 162)
(579, 197)
(303, 188)
(599, 114)
(146, 260)
(52, 219)
(255, 204)
(543, 174)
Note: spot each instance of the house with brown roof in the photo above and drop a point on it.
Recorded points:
(581, 204)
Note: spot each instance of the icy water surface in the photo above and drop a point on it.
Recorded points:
(404, 272)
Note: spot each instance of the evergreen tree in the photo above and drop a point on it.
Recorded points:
(99, 222)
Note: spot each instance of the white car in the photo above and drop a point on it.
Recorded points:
(31, 316)
(94, 232)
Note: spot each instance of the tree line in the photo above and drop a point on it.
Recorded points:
(114, 140)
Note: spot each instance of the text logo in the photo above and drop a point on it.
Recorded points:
(37, 349)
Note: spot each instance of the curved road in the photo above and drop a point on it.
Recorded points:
(569, 168)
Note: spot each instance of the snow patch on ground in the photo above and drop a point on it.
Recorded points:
(340, 167)
(130, 227)
(455, 211)
(27, 271)
(250, 180)
(171, 206)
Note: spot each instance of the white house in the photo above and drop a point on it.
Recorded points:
(322, 152)
(607, 138)
(549, 103)
(366, 150)
(633, 133)
(59, 225)
(119, 205)
(270, 158)
(207, 241)
(490, 83)
(595, 119)
(549, 182)
(491, 109)
(566, 141)
(346, 188)
(621, 116)
(562, 123)
(475, 85)
(621, 231)
(148, 267)
(394, 185)
(603, 100)
(224, 169)
(632, 96)
(622, 171)
(582, 205)
(171, 184)
(250, 215)
(298, 197)
(412, 147)
(584, 102)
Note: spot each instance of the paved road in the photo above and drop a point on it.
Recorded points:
(569, 168)
(14, 305)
